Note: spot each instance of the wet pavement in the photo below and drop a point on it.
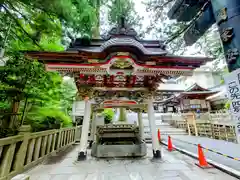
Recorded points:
(173, 166)
(224, 147)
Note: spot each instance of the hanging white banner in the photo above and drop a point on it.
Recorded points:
(232, 82)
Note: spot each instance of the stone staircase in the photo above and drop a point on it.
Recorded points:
(164, 127)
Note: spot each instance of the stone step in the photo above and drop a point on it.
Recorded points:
(149, 140)
(156, 118)
(158, 125)
(147, 129)
(167, 133)
(158, 122)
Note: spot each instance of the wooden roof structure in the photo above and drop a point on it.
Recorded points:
(119, 63)
(195, 92)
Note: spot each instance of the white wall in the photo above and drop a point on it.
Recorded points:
(203, 79)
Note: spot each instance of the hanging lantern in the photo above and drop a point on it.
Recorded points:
(81, 76)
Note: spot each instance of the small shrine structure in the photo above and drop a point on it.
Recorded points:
(119, 66)
(194, 99)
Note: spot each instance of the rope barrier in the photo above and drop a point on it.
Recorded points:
(211, 150)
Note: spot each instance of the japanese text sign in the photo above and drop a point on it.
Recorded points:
(232, 82)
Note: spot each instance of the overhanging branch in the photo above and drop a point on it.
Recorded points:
(19, 25)
(177, 34)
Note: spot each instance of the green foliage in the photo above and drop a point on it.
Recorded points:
(227, 105)
(222, 81)
(40, 25)
(108, 115)
(48, 118)
(24, 80)
(126, 9)
(68, 92)
(37, 23)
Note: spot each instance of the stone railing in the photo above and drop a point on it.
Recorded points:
(21, 152)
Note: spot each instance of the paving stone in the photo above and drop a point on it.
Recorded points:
(94, 176)
(172, 178)
(76, 177)
(164, 174)
(65, 170)
(42, 177)
(173, 166)
(135, 176)
(120, 178)
(60, 177)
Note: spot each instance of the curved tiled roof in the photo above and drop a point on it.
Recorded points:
(124, 42)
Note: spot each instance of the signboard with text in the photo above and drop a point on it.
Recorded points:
(232, 82)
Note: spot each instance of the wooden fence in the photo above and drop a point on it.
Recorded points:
(21, 152)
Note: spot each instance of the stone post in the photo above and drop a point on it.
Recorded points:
(153, 130)
(82, 154)
(123, 115)
(93, 128)
(140, 124)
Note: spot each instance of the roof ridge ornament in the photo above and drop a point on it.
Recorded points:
(122, 30)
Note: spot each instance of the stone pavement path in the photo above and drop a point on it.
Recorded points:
(173, 166)
(221, 146)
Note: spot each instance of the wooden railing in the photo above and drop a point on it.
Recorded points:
(21, 152)
(217, 125)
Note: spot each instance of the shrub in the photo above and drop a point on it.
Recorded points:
(108, 115)
(45, 119)
(227, 105)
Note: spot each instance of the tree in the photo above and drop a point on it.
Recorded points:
(67, 95)
(25, 86)
(34, 20)
(123, 8)
(111, 12)
(36, 95)
(171, 32)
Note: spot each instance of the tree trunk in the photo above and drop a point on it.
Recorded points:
(14, 116)
(96, 29)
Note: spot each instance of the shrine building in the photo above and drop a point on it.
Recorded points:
(121, 68)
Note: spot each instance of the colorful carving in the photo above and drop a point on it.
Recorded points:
(122, 63)
(85, 92)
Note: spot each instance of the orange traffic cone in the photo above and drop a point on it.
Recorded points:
(170, 147)
(201, 158)
(159, 136)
